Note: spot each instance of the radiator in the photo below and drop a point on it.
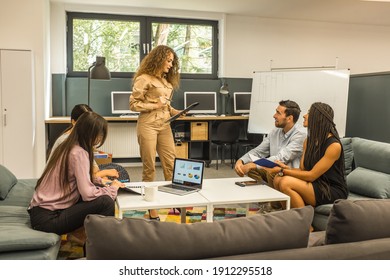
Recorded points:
(122, 140)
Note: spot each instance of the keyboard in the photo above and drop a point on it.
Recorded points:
(181, 188)
(203, 116)
(129, 116)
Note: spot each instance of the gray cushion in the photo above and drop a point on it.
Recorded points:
(358, 220)
(371, 154)
(348, 154)
(21, 193)
(369, 183)
(22, 238)
(14, 215)
(142, 239)
(7, 181)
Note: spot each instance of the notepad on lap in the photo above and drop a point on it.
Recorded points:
(263, 161)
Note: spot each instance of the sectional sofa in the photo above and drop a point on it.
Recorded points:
(367, 165)
(17, 239)
(351, 233)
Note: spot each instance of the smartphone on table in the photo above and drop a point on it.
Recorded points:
(247, 183)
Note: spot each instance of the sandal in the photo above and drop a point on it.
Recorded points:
(153, 218)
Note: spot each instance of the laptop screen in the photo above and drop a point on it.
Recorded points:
(188, 172)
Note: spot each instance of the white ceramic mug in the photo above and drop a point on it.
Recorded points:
(149, 193)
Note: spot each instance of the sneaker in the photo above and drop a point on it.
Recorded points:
(265, 208)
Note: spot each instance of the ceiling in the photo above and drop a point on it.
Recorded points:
(369, 12)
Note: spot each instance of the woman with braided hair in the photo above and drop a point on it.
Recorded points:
(320, 179)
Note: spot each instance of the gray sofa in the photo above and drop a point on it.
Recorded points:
(351, 233)
(367, 165)
(18, 241)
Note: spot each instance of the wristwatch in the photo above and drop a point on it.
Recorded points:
(280, 173)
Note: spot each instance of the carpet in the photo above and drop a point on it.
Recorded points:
(195, 214)
(70, 250)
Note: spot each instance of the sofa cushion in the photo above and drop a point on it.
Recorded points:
(14, 215)
(358, 220)
(7, 181)
(348, 154)
(369, 183)
(21, 193)
(22, 238)
(371, 154)
(143, 239)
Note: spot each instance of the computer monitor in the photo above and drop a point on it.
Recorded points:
(242, 102)
(120, 102)
(207, 102)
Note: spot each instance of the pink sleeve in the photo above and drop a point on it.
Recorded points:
(79, 165)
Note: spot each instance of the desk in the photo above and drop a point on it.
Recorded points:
(214, 192)
(66, 120)
(122, 135)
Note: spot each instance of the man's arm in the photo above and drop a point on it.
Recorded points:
(262, 150)
(292, 150)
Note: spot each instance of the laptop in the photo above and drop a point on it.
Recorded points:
(187, 177)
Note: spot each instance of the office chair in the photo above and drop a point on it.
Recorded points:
(252, 141)
(228, 133)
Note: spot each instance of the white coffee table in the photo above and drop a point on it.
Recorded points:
(225, 191)
(127, 201)
(214, 192)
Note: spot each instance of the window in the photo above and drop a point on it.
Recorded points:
(125, 40)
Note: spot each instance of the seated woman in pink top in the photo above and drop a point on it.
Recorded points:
(67, 191)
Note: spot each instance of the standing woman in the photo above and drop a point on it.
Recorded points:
(67, 191)
(153, 85)
(321, 176)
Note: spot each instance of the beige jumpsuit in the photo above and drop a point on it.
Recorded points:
(154, 134)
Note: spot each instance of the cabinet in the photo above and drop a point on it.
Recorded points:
(17, 139)
(181, 149)
(193, 137)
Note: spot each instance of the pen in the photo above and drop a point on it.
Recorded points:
(167, 98)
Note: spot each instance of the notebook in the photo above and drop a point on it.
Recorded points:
(187, 177)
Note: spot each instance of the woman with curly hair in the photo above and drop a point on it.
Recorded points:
(320, 179)
(153, 85)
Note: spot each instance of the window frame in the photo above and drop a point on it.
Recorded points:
(145, 38)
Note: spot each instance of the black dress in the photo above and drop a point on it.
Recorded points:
(333, 179)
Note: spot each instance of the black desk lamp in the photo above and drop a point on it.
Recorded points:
(224, 90)
(97, 71)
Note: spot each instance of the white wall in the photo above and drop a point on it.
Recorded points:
(251, 43)
(23, 25)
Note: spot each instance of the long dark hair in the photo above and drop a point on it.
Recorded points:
(320, 124)
(90, 131)
(154, 61)
(77, 111)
